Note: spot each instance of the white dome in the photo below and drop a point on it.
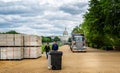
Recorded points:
(65, 32)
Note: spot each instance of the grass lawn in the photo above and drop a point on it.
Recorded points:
(43, 46)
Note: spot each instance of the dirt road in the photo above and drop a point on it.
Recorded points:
(93, 61)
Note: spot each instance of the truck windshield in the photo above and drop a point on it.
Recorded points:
(78, 38)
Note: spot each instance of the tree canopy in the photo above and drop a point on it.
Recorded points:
(57, 38)
(46, 39)
(77, 30)
(101, 24)
(10, 32)
(49, 39)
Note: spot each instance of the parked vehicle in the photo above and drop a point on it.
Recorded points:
(78, 43)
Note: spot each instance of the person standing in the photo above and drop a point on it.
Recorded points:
(47, 49)
(55, 46)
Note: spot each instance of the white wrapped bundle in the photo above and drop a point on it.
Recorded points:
(39, 40)
(32, 52)
(31, 40)
(10, 39)
(18, 40)
(11, 46)
(39, 53)
(15, 52)
(3, 53)
(11, 53)
(3, 40)
(18, 54)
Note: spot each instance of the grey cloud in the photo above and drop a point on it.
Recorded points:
(3, 25)
(20, 7)
(74, 9)
(8, 25)
(32, 18)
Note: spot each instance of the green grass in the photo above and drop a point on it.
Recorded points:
(43, 46)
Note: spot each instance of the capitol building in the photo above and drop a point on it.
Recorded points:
(64, 38)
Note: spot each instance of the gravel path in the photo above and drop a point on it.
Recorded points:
(93, 61)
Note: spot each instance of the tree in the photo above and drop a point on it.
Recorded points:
(77, 30)
(101, 24)
(69, 40)
(56, 38)
(46, 39)
(93, 29)
(12, 32)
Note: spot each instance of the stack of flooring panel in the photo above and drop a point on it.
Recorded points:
(11, 40)
(32, 46)
(31, 40)
(18, 40)
(3, 40)
(19, 46)
(11, 53)
(32, 52)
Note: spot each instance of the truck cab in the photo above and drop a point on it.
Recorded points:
(78, 43)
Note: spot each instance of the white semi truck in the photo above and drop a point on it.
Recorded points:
(78, 43)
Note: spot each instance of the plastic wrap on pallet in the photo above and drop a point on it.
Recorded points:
(11, 53)
(19, 46)
(3, 40)
(31, 40)
(18, 40)
(10, 39)
(40, 40)
(32, 52)
(3, 52)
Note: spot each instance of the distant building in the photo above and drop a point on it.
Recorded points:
(64, 38)
(52, 37)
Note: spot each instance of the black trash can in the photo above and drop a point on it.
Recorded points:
(56, 60)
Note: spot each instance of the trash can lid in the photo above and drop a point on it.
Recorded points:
(56, 53)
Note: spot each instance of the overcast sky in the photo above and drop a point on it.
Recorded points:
(42, 17)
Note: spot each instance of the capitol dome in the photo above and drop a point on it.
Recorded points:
(65, 32)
